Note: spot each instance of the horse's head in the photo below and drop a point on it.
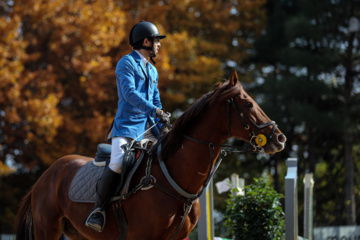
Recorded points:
(228, 111)
(246, 120)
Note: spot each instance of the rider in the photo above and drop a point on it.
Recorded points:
(138, 106)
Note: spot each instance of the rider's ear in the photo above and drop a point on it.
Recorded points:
(146, 42)
(233, 79)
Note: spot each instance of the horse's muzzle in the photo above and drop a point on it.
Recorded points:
(276, 144)
(281, 138)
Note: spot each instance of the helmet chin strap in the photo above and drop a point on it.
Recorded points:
(151, 49)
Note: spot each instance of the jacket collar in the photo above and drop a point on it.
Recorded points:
(143, 59)
(138, 59)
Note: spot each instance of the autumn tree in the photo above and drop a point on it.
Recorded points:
(54, 76)
(58, 75)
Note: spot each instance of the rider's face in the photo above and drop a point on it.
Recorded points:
(157, 44)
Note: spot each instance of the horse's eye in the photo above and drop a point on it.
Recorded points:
(248, 104)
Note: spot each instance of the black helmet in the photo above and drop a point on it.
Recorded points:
(143, 30)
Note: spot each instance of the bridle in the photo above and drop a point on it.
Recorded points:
(256, 141)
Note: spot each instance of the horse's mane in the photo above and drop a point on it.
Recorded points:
(221, 92)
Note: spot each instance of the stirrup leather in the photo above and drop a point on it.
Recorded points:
(95, 226)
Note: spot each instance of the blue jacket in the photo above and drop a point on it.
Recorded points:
(138, 97)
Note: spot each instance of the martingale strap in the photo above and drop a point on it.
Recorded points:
(178, 189)
(187, 198)
(172, 182)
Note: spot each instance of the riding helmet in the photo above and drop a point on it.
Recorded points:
(143, 30)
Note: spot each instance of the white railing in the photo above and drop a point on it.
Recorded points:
(291, 200)
(308, 205)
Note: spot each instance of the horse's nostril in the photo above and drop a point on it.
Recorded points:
(281, 138)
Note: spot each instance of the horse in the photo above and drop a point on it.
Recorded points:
(188, 154)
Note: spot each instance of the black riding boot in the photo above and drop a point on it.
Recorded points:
(104, 189)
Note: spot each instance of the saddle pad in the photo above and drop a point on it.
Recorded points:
(83, 186)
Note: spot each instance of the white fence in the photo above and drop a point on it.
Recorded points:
(291, 200)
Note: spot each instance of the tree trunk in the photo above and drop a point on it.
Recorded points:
(348, 139)
(349, 184)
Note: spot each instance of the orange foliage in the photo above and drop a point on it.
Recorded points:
(58, 90)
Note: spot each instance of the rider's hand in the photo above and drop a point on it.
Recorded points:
(163, 116)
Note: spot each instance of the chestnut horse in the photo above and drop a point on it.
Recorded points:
(188, 153)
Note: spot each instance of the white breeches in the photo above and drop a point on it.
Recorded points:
(117, 152)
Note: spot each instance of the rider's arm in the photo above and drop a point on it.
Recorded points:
(134, 94)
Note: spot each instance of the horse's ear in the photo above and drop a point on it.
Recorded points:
(233, 79)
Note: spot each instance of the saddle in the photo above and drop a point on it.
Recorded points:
(83, 186)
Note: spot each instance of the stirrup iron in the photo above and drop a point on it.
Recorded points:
(96, 227)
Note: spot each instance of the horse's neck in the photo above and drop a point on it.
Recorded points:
(190, 165)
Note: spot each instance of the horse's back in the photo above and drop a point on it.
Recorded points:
(63, 169)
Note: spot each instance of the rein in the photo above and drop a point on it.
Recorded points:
(188, 198)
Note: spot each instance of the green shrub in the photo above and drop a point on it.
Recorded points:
(257, 214)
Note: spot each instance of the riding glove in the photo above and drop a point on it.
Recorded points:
(162, 116)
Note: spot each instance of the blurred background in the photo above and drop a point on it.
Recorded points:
(299, 59)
